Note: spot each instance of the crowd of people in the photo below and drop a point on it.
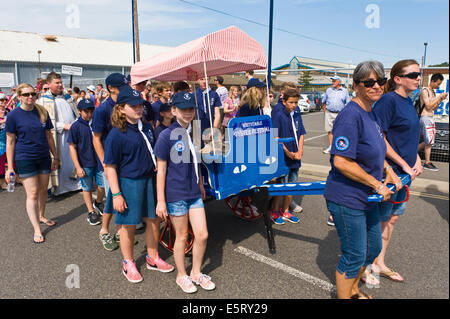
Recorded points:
(118, 141)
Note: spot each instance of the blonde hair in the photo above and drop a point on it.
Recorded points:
(231, 90)
(43, 114)
(252, 98)
(119, 119)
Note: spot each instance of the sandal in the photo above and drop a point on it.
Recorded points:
(370, 279)
(390, 274)
(40, 239)
(48, 222)
(361, 295)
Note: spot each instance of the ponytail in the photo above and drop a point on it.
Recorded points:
(43, 114)
(397, 70)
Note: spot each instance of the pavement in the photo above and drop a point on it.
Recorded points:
(72, 263)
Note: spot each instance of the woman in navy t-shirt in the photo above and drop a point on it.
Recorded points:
(401, 126)
(129, 167)
(357, 166)
(28, 142)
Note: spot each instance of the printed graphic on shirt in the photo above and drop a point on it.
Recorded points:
(342, 143)
(179, 146)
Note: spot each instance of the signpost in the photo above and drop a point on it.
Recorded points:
(71, 70)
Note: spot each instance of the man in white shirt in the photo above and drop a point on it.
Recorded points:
(223, 94)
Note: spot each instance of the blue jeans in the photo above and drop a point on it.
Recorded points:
(360, 234)
(182, 207)
(292, 177)
(87, 182)
(386, 209)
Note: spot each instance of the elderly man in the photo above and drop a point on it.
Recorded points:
(63, 112)
(334, 100)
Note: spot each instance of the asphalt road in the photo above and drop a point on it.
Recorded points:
(237, 256)
(419, 251)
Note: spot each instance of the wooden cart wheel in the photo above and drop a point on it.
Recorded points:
(242, 207)
(167, 237)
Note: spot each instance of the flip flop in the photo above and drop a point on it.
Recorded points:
(40, 238)
(48, 222)
(370, 279)
(390, 274)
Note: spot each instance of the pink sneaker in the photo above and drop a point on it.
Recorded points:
(186, 284)
(158, 264)
(204, 281)
(130, 271)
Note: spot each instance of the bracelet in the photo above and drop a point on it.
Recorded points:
(379, 188)
(389, 166)
(116, 194)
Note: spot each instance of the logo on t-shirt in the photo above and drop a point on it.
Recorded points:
(342, 143)
(179, 146)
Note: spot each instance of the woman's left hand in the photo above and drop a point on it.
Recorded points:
(55, 164)
(392, 178)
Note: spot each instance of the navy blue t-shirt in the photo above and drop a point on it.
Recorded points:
(101, 119)
(129, 152)
(80, 134)
(161, 127)
(278, 107)
(155, 108)
(283, 122)
(203, 110)
(356, 135)
(181, 180)
(398, 119)
(245, 110)
(148, 111)
(31, 139)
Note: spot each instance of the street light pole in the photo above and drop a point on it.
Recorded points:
(425, 54)
(39, 63)
(136, 53)
(269, 64)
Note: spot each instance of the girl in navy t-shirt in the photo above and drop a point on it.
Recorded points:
(129, 168)
(181, 193)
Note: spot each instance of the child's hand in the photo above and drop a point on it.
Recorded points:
(297, 156)
(80, 172)
(161, 210)
(119, 204)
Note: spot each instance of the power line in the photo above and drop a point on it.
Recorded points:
(289, 32)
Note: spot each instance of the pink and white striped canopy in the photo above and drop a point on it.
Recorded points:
(226, 51)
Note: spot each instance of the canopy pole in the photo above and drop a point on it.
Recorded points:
(269, 64)
(209, 104)
(198, 118)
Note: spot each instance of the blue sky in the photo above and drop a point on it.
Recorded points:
(404, 25)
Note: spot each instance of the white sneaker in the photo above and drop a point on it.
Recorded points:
(295, 208)
(327, 150)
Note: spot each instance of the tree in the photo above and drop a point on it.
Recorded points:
(444, 64)
(305, 80)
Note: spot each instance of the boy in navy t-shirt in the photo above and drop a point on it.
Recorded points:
(86, 161)
(289, 123)
(166, 117)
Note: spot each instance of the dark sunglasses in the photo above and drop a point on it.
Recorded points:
(371, 82)
(33, 94)
(4, 100)
(412, 75)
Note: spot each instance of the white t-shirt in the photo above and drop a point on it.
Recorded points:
(223, 94)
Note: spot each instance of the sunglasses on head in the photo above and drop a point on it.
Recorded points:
(412, 75)
(371, 82)
(33, 94)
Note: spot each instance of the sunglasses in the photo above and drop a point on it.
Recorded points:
(33, 94)
(371, 82)
(4, 100)
(412, 75)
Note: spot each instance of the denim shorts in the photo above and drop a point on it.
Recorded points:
(359, 232)
(182, 207)
(138, 195)
(87, 182)
(29, 168)
(386, 209)
(292, 177)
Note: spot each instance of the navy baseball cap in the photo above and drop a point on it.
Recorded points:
(85, 104)
(165, 107)
(129, 96)
(116, 80)
(183, 100)
(255, 82)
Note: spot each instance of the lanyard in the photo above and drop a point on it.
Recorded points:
(149, 146)
(192, 148)
(293, 127)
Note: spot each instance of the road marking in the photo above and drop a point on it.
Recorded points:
(325, 285)
(312, 138)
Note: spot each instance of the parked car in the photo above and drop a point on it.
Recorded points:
(303, 103)
(315, 100)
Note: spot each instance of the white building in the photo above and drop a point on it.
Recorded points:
(20, 61)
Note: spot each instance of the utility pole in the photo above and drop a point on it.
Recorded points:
(269, 65)
(136, 53)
